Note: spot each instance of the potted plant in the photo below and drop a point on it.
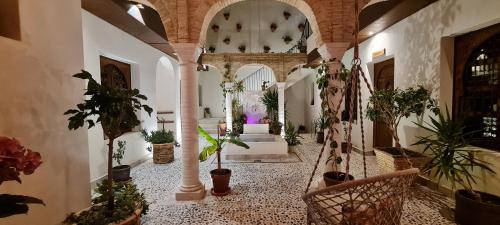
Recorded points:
(115, 108)
(264, 85)
(286, 14)
(270, 100)
(14, 159)
(390, 106)
(227, 40)
(242, 48)
(292, 136)
(226, 15)
(220, 176)
(267, 49)
(211, 49)
(287, 39)
(120, 172)
(453, 160)
(206, 112)
(238, 27)
(163, 145)
(273, 27)
(215, 28)
(320, 125)
(301, 27)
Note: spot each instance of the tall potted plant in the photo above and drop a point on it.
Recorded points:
(453, 160)
(270, 100)
(115, 108)
(163, 145)
(220, 176)
(14, 159)
(390, 106)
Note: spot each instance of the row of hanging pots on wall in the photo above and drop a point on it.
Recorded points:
(273, 27)
(286, 14)
(241, 48)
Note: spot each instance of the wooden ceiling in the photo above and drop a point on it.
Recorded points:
(115, 13)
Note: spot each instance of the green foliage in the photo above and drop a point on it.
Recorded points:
(16, 204)
(451, 159)
(128, 199)
(390, 106)
(292, 135)
(115, 108)
(270, 100)
(120, 152)
(217, 144)
(158, 137)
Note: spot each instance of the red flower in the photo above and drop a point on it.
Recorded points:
(15, 158)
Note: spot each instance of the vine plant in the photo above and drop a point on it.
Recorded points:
(237, 87)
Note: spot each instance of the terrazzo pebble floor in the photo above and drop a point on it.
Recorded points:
(264, 193)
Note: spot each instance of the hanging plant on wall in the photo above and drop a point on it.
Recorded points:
(287, 39)
(227, 15)
(287, 15)
(211, 49)
(301, 27)
(274, 27)
(267, 49)
(215, 28)
(242, 48)
(238, 27)
(227, 40)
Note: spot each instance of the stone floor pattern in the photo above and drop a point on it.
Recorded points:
(263, 193)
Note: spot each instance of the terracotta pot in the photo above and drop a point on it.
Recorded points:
(121, 173)
(292, 148)
(220, 180)
(470, 211)
(334, 178)
(320, 137)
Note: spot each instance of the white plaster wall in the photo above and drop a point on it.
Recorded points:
(167, 83)
(36, 89)
(101, 38)
(311, 112)
(295, 102)
(211, 93)
(256, 18)
(416, 45)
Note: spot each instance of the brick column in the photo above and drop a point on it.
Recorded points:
(229, 106)
(281, 105)
(191, 187)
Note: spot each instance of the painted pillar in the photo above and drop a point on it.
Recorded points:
(229, 106)
(281, 105)
(191, 187)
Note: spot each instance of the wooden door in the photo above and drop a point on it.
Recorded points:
(384, 79)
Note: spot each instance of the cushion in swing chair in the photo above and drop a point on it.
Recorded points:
(375, 200)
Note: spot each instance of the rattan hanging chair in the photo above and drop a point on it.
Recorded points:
(376, 200)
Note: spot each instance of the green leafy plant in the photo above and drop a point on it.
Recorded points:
(292, 135)
(217, 144)
(158, 136)
(115, 109)
(120, 152)
(128, 199)
(451, 159)
(390, 106)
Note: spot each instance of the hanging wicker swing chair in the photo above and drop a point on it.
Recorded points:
(375, 200)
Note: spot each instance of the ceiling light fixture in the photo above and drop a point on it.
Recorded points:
(370, 33)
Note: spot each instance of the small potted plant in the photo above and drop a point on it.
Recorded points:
(211, 49)
(206, 112)
(227, 40)
(292, 136)
(301, 27)
(227, 15)
(115, 108)
(267, 48)
(264, 85)
(215, 28)
(220, 176)
(287, 39)
(238, 27)
(242, 48)
(453, 160)
(286, 14)
(273, 27)
(163, 145)
(120, 172)
(14, 159)
(390, 106)
(320, 125)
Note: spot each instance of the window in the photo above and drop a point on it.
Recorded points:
(9, 19)
(477, 88)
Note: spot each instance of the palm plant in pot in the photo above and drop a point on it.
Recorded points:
(292, 136)
(220, 176)
(271, 100)
(163, 145)
(390, 106)
(115, 108)
(454, 161)
(320, 125)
